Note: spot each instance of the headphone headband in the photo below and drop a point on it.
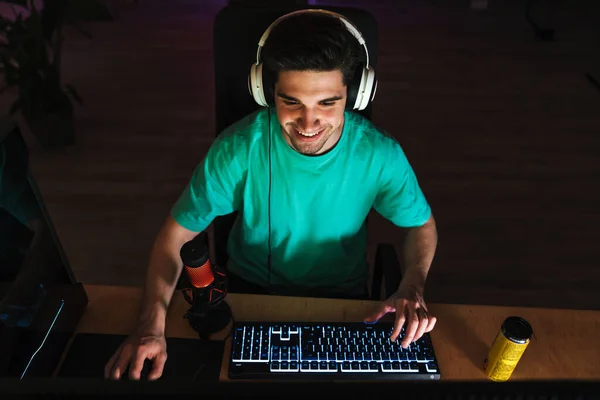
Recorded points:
(360, 92)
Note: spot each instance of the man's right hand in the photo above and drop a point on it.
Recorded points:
(147, 340)
(135, 350)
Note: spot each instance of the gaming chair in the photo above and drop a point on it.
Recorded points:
(236, 33)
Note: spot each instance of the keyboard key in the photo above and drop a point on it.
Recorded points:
(246, 355)
(422, 357)
(411, 356)
(414, 366)
(431, 366)
(275, 355)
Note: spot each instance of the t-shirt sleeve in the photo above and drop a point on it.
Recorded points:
(215, 186)
(400, 198)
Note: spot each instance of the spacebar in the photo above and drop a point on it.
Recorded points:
(313, 367)
(357, 367)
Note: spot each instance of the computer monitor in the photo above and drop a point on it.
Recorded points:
(40, 300)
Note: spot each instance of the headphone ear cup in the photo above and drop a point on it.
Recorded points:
(367, 90)
(255, 84)
(353, 89)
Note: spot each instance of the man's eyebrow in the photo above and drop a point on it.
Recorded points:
(286, 97)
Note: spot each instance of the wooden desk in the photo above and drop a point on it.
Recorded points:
(566, 343)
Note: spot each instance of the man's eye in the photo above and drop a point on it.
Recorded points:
(289, 102)
(328, 103)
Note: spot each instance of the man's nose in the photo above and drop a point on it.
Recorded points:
(308, 120)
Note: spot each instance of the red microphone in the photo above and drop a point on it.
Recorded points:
(199, 268)
(206, 284)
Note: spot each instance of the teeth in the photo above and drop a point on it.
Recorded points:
(308, 134)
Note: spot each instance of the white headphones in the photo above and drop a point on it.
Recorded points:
(359, 95)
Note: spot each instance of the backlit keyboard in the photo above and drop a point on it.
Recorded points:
(335, 351)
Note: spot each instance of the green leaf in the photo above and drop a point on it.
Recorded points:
(74, 93)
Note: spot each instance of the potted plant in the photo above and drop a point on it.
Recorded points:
(30, 61)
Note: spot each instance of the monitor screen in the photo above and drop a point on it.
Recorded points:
(31, 258)
(40, 300)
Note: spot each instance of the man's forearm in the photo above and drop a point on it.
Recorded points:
(164, 269)
(163, 272)
(419, 250)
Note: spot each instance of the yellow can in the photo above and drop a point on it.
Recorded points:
(508, 347)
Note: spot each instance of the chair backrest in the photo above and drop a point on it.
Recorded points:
(236, 32)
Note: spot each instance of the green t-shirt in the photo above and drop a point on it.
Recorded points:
(319, 204)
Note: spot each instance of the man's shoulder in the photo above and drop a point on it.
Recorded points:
(369, 136)
(241, 138)
(248, 128)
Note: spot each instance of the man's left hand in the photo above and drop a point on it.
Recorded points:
(409, 306)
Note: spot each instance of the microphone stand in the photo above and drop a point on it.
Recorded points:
(209, 312)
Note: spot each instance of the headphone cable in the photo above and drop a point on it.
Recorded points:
(269, 206)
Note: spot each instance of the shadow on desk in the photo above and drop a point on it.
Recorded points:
(424, 390)
(460, 332)
(188, 359)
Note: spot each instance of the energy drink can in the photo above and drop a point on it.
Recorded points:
(508, 347)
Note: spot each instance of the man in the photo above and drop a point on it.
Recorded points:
(303, 174)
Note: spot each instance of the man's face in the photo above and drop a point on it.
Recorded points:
(310, 107)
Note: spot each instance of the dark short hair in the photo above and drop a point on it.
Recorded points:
(311, 42)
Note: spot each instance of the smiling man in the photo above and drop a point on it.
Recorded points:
(303, 174)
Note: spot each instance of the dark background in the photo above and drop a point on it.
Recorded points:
(501, 127)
